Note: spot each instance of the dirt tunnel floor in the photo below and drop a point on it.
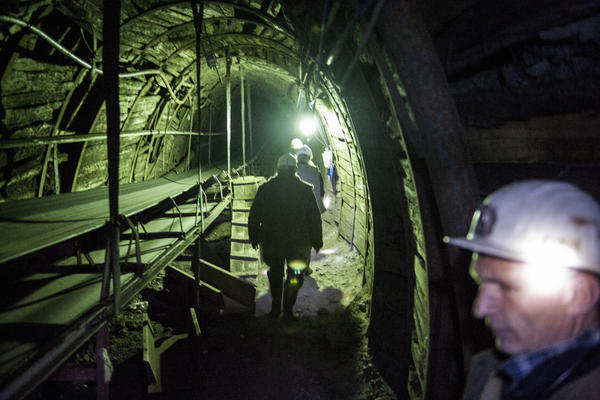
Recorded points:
(324, 354)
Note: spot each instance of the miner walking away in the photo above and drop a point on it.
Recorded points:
(309, 173)
(285, 220)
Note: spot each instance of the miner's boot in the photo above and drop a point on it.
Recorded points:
(275, 284)
(293, 283)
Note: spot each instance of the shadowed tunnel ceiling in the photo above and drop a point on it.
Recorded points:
(426, 106)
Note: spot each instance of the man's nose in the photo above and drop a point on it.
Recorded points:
(484, 303)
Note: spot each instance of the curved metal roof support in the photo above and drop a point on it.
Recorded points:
(449, 172)
(55, 131)
(186, 25)
(272, 44)
(187, 69)
(268, 20)
(87, 65)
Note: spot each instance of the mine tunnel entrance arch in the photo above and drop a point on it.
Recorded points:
(355, 211)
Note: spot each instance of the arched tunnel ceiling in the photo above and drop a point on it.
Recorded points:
(162, 34)
(497, 57)
(520, 74)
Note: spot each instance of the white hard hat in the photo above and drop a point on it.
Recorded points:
(305, 151)
(286, 161)
(537, 221)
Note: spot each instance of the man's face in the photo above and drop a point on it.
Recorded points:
(521, 316)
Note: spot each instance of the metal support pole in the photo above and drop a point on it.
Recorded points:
(210, 130)
(228, 85)
(198, 18)
(196, 271)
(243, 119)
(249, 101)
(111, 30)
(56, 171)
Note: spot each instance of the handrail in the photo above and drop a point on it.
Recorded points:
(71, 137)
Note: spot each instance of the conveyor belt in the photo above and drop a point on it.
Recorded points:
(46, 317)
(30, 225)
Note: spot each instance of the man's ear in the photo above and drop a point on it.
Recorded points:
(585, 293)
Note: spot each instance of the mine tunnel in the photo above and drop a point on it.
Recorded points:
(135, 133)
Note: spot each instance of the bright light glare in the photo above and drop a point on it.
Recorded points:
(327, 251)
(297, 265)
(547, 272)
(551, 253)
(544, 279)
(308, 125)
(327, 200)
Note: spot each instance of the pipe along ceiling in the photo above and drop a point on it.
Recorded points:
(369, 72)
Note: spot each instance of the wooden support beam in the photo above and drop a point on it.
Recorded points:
(152, 354)
(184, 282)
(104, 367)
(150, 359)
(195, 325)
(236, 288)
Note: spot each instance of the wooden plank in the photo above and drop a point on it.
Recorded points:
(244, 249)
(240, 217)
(244, 266)
(236, 288)
(195, 324)
(246, 187)
(241, 205)
(150, 360)
(184, 282)
(239, 232)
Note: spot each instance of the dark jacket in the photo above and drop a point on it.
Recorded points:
(285, 219)
(309, 173)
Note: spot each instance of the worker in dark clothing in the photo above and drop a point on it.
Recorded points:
(285, 220)
(309, 173)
